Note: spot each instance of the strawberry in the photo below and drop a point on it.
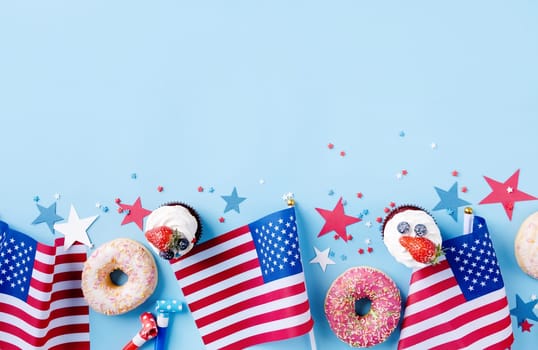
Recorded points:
(160, 236)
(422, 249)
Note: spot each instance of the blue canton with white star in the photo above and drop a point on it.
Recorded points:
(277, 245)
(17, 254)
(473, 261)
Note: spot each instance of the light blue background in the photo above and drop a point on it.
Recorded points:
(227, 93)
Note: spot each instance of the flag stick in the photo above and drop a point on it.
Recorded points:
(468, 220)
(312, 339)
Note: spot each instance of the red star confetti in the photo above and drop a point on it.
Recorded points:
(379, 219)
(404, 172)
(359, 195)
(392, 204)
(464, 189)
(330, 146)
(360, 251)
(370, 249)
(221, 219)
(506, 193)
(117, 200)
(135, 213)
(336, 220)
(342, 153)
(200, 189)
(526, 326)
(455, 173)
(160, 188)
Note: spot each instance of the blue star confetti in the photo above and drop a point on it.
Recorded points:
(47, 215)
(524, 311)
(450, 201)
(233, 201)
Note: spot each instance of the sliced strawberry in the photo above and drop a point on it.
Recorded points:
(422, 249)
(160, 236)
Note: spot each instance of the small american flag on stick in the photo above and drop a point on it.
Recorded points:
(41, 301)
(461, 302)
(247, 286)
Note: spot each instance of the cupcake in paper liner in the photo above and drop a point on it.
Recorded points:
(412, 236)
(173, 229)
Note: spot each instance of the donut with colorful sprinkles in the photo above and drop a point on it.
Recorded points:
(130, 257)
(359, 284)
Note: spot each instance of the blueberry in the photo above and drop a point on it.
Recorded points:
(403, 227)
(421, 230)
(166, 254)
(183, 243)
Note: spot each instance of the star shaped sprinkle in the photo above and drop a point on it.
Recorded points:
(523, 311)
(48, 216)
(336, 220)
(322, 258)
(506, 193)
(75, 229)
(526, 326)
(135, 213)
(450, 201)
(233, 201)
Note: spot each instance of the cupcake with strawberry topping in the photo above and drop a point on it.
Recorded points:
(173, 229)
(412, 236)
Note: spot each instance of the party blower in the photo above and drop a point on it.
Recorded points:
(147, 332)
(164, 308)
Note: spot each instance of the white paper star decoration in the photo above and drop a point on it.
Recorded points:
(322, 258)
(75, 229)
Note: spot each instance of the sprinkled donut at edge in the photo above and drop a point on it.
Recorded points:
(133, 259)
(383, 316)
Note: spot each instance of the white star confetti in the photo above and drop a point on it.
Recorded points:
(322, 258)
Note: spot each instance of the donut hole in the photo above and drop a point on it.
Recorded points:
(363, 306)
(118, 277)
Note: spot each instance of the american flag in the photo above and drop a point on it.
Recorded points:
(41, 301)
(461, 302)
(247, 286)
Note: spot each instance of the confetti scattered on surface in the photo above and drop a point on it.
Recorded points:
(98, 205)
(370, 249)
(450, 201)
(136, 213)
(200, 189)
(433, 145)
(322, 258)
(261, 181)
(464, 189)
(379, 219)
(160, 188)
(233, 201)
(57, 196)
(526, 326)
(221, 220)
(368, 224)
(330, 193)
(48, 216)
(359, 195)
(399, 176)
(506, 193)
(211, 190)
(330, 146)
(342, 153)
(360, 251)
(524, 311)
(36, 199)
(404, 172)
(133, 176)
(105, 209)
(75, 229)
(336, 220)
(455, 173)
(117, 201)
(392, 204)
(402, 134)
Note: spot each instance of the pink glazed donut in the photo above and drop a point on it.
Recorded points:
(374, 327)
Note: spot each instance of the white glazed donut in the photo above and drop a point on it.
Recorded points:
(526, 246)
(128, 256)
